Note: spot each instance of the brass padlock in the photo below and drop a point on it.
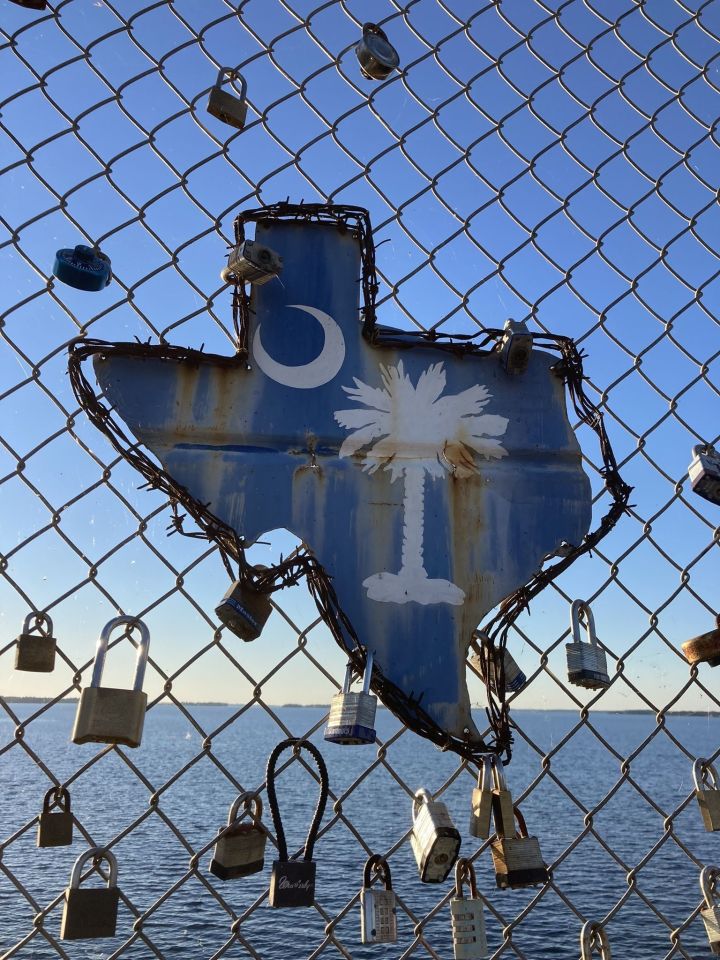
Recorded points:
(240, 847)
(705, 648)
(376, 55)
(593, 938)
(482, 799)
(708, 796)
(502, 804)
(704, 473)
(517, 860)
(36, 652)
(378, 912)
(515, 679)
(351, 719)
(467, 916)
(223, 105)
(109, 714)
(586, 662)
(435, 840)
(711, 912)
(244, 610)
(292, 882)
(91, 913)
(55, 827)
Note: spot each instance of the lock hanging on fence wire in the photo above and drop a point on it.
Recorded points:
(434, 839)
(515, 679)
(705, 648)
(704, 473)
(85, 268)
(90, 913)
(351, 719)
(482, 799)
(35, 652)
(707, 794)
(711, 911)
(55, 826)
(109, 714)
(378, 910)
(586, 662)
(467, 916)
(244, 610)
(376, 55)
(517, 858)
(240, 849)
(252, 262)
(225, 106)
(515, 347)
(292, 882)
(594, 942)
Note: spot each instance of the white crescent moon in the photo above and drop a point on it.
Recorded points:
(314, 374)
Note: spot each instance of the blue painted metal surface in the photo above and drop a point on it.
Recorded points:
(430, 486)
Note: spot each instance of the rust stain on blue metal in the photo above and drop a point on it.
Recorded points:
(429, 485)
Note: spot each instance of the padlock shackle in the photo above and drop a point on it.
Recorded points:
(382, 870)
(40, 618)
(250, 800)
(297, 744)
(464, 870)
(60, 798)
(95, 853)
(578, 608)
(708, 878)
(592, 937)
(421, 796)
(499, 775)
(701, 769)
(234, 74)
(703, 448)
(521, 822)
(485, 778)
(142, 653)
(373, 28)
(367, 675)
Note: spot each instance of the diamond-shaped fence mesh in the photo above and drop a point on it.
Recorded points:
(553, 162)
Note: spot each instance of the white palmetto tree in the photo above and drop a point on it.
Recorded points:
(413, 432)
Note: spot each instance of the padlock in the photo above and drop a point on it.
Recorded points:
(708, 797)
(705, 648)
(586, 662)
(515, 347)
(515, 679)
(378, 912)
(482, 799)
(223, 105)
(467, 916)
(240, 847)
(84, 268)
(244, 610)
(594, 941)
(376, 55)
(251, 262)
(36, 652)
(108, 714)
(55, 827)
(711, 912)
(352, 715)
(91, 913)
(435, 840)
(292, 882)
(502, 804)
(517, 860)
(704, 473)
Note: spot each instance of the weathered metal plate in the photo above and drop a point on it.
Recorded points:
(430, 486)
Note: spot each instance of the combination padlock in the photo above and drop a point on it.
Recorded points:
(705, 648)
(351, 719)
(108, 714)
(517, 860)
(378, 912)
(91, 913)
(515, 679)
(292, 882)
(711, 912)
(35, 652)
(240, 847)
(83, 268)
(586, 662)
(707, 795)
(223, 105)
(435, 840)
(467, 916)
(704, 473)
(376, 55)
(482, 799)
(515, 347)
(55, 826)
(244, 610)
(594, 941)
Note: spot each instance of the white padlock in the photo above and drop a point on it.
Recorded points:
(378, 911)
(467, 916)
(435, 840)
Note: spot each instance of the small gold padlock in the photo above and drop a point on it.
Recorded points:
(55, 826)
(518, 861)
(91, 913)
(36, 652)
(594, 940)
(223, 105)
(240, 847)
(707, 795)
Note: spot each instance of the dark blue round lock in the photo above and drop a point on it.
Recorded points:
(83, 268)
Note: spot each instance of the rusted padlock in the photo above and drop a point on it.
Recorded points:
(240, 850)
(705, 648)
(55, 826)
(35, 652)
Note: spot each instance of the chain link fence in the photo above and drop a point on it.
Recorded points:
(551, 162)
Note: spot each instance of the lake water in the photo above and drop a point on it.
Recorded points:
(192, 923)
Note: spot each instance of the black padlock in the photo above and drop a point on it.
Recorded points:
(292, 882)
(55, 828)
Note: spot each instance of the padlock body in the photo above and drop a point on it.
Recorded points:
(518, 862)
(226, 107)
(709, 803)
(292, 883)
(376, 56)
(110, 715)
(352, 718)
(35, 653)
(82, 268)
(515, 679)
(89, 914)
(703, 649)
(587, 665)
(504, 813)
(435, 842)
(55, 829)
(468, 929)
(711, 919)
(239, 853)
(481, 813)
(515, 352)
(378, 916)
(704, 473)
(244, 611)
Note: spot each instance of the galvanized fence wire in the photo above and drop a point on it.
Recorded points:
(558, 161)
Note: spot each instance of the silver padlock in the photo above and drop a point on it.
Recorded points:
(223, 105)
(467, 916)
(435, 840)
(251, 262)
(704, 473)
(586, 662)
(376, 55)
(517, 859)
(91, 913)
(708, 795)
(36, 652)
(515, 347)
(482, 799)
(594, 941)
(351, 719)
(515, 679)
(109, 714)
(240, 847)
(378, 912)
(711, 912)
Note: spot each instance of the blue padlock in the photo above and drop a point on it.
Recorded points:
(83, 268)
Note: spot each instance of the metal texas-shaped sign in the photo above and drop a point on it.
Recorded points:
(429, 485)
